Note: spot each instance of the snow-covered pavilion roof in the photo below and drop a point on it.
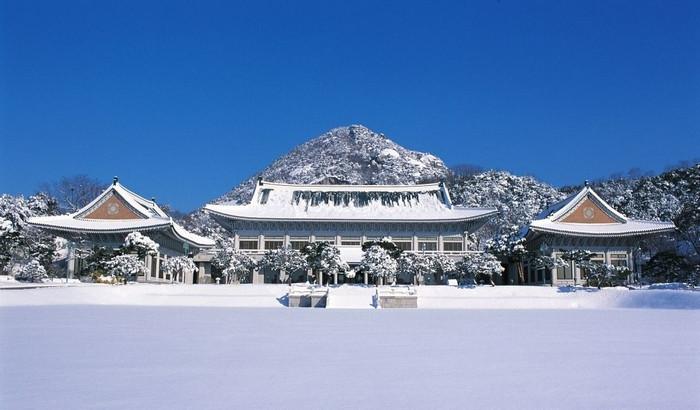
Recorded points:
(587, 214)
(356, 203)
(118, 210)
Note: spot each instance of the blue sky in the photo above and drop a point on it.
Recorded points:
(183, 100)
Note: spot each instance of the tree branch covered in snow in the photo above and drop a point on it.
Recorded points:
(234, 265)
(479, 267)
(284, 260)
(378, 263)
(141, 244)
(126, 267)
(178, 267)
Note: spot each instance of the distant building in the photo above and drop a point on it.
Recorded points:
(417, 218)
(584, 221)
(110, 217)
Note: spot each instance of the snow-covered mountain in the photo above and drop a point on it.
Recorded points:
(353, 154)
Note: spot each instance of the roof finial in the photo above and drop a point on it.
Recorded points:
(153, 199)
(585, 183)
(115, 180)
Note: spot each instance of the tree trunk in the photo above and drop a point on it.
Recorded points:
(521, 272)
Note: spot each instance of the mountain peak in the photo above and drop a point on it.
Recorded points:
(352, 154)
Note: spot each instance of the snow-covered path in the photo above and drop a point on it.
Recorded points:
(115, 357)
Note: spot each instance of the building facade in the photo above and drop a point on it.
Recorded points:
(584, 221)
(109, 218)
(417, 218)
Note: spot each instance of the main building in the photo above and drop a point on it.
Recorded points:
(417, 218)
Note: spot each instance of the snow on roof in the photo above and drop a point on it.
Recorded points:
(276, 201)
(71, 224)
(629, 228)
(551, 219)
(152, 218)
(190, 237)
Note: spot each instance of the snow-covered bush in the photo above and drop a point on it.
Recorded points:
(479, 267)
(602, 274)
(284, 260)
(178, 266)
(141, 244)
(31, 272)
(378, 263)
(126, 267)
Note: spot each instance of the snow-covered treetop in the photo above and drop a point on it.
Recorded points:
(141, 244)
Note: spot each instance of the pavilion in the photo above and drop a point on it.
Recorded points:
(584, 221)
(109, 218)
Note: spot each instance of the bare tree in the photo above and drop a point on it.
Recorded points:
(74, 192)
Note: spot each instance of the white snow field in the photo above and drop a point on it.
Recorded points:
(167, 347)
(348, 297)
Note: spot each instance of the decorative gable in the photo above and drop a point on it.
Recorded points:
(111, 206)
(588, 211)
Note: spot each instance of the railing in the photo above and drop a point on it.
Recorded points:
(453, 253)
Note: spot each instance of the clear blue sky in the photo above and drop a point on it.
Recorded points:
(183, 100)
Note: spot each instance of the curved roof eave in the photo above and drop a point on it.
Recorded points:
(420, 220)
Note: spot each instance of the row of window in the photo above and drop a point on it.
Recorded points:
(406, 244)
(616, 259)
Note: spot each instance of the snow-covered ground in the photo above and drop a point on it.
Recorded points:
(174, 357)
(356, 297)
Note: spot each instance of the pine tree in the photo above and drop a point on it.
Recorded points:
(379, 264)
(126, 267)
(479, 267)
(234, 265)
(324, 259)
(285, 261)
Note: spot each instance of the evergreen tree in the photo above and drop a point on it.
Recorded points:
(126, 267)
(284, 260)
(141, 244)
(234, 265)
(479, 267)
(323, 259)
(379, 264)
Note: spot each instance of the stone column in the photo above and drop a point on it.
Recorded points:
(335, 278)
(366, 278)
(71, 261)
(440, 244)
(157, 266)
(261, 242)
